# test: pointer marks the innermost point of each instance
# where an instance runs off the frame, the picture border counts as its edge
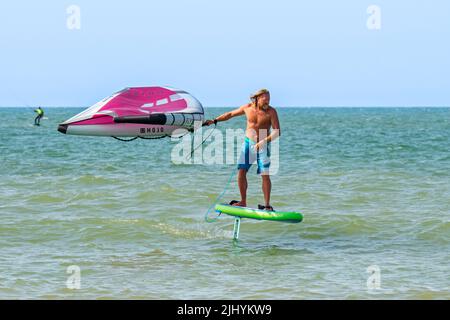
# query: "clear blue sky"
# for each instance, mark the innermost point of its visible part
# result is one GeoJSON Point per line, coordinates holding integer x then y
{"type": "Point", "coordinates": [308, 53]}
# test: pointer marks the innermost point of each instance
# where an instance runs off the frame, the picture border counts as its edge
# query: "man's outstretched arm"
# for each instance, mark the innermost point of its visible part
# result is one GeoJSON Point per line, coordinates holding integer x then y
{"type": "Point", "coordinates": [227, 116]}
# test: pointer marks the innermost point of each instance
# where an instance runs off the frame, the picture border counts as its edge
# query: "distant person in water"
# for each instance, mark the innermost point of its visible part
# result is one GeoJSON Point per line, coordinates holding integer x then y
{"type": "Point", "coordinates": [261, 118]}
{"type": "Point", "coordinates": [40, 115]}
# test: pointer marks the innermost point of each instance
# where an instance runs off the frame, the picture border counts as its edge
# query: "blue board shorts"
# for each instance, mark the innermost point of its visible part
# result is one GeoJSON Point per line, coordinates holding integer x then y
{"type": "Point", "coordinates": [249, 156]}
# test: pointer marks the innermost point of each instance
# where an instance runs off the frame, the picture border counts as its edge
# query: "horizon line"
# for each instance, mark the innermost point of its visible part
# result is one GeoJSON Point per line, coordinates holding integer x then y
{"type": "Point", "coordinates": [300, 106]}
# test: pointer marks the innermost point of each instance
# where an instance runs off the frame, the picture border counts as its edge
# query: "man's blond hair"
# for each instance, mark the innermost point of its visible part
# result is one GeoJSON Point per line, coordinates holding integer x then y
{"type": "Point", "coordinates": [258, 93]}
{"type": "Point", "coordinates": [254, 97]}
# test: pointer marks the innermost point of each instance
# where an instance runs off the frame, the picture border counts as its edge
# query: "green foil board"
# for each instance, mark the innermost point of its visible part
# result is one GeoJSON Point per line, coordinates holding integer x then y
{"type": "Point", "coordinates": [245, 212]}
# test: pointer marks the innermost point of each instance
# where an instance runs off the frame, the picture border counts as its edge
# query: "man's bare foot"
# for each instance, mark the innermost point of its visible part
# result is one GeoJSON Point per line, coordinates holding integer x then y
{"type": "Point", "coordinates": [267, 208]}
{"type": "Point", "coordinates": [238, 203]}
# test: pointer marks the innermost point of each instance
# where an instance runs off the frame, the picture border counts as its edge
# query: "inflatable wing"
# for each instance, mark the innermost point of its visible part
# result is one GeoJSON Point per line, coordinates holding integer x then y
{"type": "Point", "coordinates": [138, 112]}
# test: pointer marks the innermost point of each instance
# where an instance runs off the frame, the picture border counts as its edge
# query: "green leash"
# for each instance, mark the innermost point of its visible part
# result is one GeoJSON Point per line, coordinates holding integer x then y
{"type": "Point", "coordinates": [218, 198]}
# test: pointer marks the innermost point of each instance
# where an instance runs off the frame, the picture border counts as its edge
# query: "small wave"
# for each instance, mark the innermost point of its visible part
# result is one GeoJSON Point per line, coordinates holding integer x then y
{"type": "Point", "coordinates": [197, 231]}
{"type": "Point", "coordinates": [435, 230]}
{"type": "Point", "coordinates": [429, 295]}
{"type": "Point", "coordinates": [45, 198]}
{"type": "Point", "coordinates": [276, 250]}
{"type": "Point", "coordinates": [154, 253]}
{"type": "Point", "coordinates": [339, 226]}
{"type": "Point", "coordinates": [92, 180]}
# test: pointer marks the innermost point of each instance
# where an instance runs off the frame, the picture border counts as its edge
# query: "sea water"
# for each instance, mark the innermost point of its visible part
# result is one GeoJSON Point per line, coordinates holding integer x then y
{"type": "Point", "coordinates": [96, 218]}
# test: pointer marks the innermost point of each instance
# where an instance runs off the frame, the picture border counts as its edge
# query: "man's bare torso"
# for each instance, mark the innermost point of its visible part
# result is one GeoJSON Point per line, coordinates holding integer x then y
{"type": "Point", "coordinates": [258, 122]}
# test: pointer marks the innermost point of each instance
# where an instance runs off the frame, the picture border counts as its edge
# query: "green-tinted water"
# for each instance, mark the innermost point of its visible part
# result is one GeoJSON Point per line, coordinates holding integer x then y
{"type": "Point", "coordinates": [373, 185]}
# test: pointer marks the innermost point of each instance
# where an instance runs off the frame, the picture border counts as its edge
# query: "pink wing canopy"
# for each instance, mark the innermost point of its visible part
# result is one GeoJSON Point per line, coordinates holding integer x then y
{"type": "Point", "coordinates": [138, 101]}
{"type": "Point", "coordinates": [139, 111]}
{"type": "Point", "coordinates": [144, 100]}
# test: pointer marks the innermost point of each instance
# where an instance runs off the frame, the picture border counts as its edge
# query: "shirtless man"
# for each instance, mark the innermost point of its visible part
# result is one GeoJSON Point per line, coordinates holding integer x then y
{"type": "Point", "coordinates": [261, 117]}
